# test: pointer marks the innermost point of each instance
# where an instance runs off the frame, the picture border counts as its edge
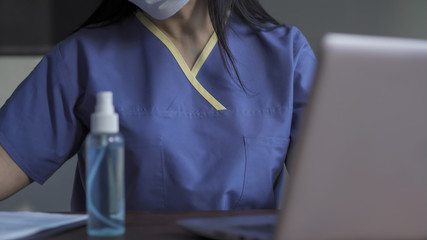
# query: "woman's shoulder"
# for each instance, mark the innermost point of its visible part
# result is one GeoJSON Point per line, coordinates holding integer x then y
{"type": "Point", "coordinates": [284, 33]}
{"type": "Point", "coordinates": [287, 38]}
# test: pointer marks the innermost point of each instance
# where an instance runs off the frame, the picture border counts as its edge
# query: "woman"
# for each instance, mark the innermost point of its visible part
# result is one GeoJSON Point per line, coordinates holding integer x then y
{"type": "Point", "coordinates": [209, 94]}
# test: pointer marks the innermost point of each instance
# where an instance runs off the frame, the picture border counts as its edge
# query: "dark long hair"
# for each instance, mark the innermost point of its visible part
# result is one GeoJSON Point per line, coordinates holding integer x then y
{"type": "Point", "coordinates": [250, 11]}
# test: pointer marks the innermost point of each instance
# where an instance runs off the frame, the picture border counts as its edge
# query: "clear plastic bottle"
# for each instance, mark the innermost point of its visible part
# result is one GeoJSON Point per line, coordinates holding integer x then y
{"type": "Point", "coordinates": [105, 198]}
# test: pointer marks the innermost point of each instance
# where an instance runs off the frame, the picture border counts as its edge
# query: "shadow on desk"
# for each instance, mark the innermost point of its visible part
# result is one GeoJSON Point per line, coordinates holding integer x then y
{"type": "Point", "coordinates": [157, 225]}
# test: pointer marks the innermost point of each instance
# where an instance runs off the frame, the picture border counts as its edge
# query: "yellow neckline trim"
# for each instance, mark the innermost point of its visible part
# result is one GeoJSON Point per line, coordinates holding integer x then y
{"type": "Point", "coordinates": [190, 74]}
{"type": "Point", "coordinates": [205, 54]}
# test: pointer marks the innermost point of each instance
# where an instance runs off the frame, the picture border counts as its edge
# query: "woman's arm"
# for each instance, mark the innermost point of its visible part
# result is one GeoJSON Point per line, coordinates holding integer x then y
{"type": "Point", "coordinates": [12, 178]}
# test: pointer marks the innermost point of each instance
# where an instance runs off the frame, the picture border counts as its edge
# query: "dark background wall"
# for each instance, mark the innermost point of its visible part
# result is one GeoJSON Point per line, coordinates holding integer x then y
{"type": "Point", "coordinates": [399, 18]}
{"type": "Point", "coordinates": [24, 25]}
{"type": "Point", "coordinates": [33, 26]}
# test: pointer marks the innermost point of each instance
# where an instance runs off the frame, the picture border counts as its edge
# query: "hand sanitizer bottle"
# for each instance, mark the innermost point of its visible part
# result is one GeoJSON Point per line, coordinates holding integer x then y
{"type": "Point", "coordinates": [105, 199]}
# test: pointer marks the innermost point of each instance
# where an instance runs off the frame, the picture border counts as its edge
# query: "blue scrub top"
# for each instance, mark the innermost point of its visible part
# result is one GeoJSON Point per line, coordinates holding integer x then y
{"type": "Point", "coordinates": [194, 139]}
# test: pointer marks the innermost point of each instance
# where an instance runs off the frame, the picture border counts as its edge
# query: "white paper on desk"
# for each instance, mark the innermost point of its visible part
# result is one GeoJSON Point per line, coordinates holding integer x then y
{"type": "Point", "coordinates": [19, 225]}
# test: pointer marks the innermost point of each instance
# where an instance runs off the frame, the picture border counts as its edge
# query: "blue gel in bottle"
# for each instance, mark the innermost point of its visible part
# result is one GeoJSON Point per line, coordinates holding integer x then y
{"type": "Point", "coordinates": [105, 199]}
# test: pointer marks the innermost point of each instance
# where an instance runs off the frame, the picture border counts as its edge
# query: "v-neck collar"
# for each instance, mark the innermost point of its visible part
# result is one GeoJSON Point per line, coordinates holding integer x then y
{"type": "Point", "coordinates": [189, 73]}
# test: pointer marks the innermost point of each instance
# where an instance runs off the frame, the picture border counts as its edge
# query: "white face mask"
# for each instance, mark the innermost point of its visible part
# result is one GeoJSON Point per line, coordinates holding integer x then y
{"type": "Point", "coordinates": [160, 9]}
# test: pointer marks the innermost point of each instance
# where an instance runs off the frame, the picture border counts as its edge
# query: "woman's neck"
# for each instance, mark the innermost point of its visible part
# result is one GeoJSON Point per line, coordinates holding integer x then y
{"type": "Point", "coordinates": [189, 29]}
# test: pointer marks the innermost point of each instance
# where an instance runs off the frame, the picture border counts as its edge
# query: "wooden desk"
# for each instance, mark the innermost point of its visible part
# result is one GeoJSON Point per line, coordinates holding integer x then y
{"type": "Point", "coordinates": [157, 225]}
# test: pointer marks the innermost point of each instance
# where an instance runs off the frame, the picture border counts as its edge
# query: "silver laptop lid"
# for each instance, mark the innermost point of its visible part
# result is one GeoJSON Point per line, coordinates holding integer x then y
{"type": "Point", "coordinates": [360, 163]}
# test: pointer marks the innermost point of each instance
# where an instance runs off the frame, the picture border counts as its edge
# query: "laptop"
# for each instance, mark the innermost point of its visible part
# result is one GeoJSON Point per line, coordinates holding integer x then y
{"type": "Point", "coordinates": [359, 167]}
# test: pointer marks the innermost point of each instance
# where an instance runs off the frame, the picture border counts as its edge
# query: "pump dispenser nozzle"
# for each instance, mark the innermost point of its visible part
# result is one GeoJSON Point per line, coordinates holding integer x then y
{"type": "Point", "coordinates": [104, 119]}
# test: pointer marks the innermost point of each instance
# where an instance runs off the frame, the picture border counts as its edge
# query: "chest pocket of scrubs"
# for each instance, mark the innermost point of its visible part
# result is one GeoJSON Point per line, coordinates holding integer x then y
{"type": "Point", "coordinates": [264, 161]}
{"type": "Point", "coordinates": [144, 175]}
{"type": "Point", "coordinates": [240, 174]}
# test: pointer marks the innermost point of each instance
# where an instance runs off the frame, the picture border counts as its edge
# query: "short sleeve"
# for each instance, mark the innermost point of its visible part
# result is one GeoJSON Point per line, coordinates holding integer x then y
{"type": "Point", "coordinates": [38, 125]}
{"type": "Point", "coordinates": [305, 65]}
